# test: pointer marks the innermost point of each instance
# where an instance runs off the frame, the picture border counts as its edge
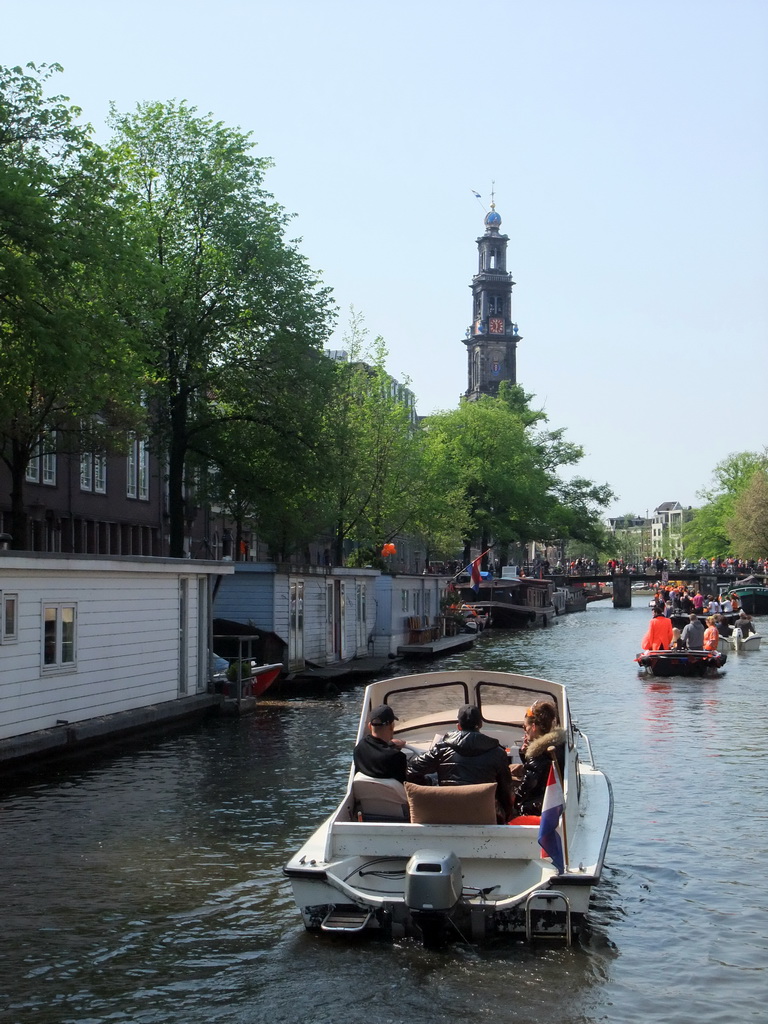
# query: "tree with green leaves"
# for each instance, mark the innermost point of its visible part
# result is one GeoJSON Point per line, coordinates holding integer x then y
{"type": "Point", "coordinates": [507, 468]}
{"type": "Point", "coordinates": [235, 316]}
{"type": "Point", "coordinates": [69, 273]}
{"type": "Point", "coordinates": [748, 526]}
{"type": "Point", "coordinates": [709, 532]}
{"type": "Point", "coordinates": [372, 447]}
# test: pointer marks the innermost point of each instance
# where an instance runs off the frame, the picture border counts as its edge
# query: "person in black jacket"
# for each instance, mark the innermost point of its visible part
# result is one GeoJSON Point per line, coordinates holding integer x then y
{"type": "Point", "coordinates": [541, 733]}
{"type": "Point", "coordinates": [466, 757]}
{"type": "Point", "coordinates": [379, 754]}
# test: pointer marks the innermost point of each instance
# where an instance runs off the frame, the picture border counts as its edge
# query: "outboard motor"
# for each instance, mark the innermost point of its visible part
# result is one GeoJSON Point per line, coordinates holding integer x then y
{"type": "Point", "coordinates": [433, 885]}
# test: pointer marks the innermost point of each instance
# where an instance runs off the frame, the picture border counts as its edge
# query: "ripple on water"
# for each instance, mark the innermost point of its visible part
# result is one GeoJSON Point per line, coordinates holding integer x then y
{"type": "Point", "coordinates": [148, 887]}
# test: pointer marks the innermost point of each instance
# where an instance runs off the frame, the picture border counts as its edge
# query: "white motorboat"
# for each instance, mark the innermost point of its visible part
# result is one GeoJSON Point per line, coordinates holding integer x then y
{"type": "Point", "coordinates": [454, 872]}
{"type": "Point", "coordinates": [739, 642]}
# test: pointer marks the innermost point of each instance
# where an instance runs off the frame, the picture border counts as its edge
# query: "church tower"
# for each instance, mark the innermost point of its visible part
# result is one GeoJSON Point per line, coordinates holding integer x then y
{"type": "Point", "coordinates": [492, 338]}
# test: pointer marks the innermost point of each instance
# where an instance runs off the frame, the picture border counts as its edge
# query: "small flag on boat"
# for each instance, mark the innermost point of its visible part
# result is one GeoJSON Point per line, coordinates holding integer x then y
{"type": "Point", "coordinates": [475, 574]}
{"type": "Point", "coordinates": [551, 809]}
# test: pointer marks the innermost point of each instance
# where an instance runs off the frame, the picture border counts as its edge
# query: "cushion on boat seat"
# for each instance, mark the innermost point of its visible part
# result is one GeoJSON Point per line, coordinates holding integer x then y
{"type": "Point", "coordinates": [452, 805]}
{"type": "Point", "coordinates": [379, 799]}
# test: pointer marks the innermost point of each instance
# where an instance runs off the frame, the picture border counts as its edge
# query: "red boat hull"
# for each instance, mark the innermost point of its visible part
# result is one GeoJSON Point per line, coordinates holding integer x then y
{"type": "Point", "coordinates": [263, 677]}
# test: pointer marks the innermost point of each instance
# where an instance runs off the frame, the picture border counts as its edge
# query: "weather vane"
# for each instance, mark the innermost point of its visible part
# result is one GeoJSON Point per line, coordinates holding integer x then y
{"type": "Point", "coordinates": [477, 196]}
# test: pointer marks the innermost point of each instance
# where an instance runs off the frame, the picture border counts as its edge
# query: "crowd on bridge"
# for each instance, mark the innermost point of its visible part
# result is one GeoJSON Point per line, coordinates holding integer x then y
{"type": "Point", "coordinates": [584, 566]}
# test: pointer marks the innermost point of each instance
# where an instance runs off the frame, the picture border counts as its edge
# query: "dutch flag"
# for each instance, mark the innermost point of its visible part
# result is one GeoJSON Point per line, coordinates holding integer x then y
{"type": "Point", "coordinates": [475, 574]}
{"type": "Point", "coordinates": [551, 809]}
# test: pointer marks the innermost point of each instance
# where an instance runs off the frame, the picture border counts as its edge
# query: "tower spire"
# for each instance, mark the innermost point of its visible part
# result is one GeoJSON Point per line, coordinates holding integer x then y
{"type": "Point", "coordinates": [492, 337]}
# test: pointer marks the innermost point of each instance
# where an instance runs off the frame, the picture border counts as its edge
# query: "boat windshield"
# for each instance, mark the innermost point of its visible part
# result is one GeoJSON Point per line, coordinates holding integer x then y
{"type": "Point", "coordinates": [419, 701]}
{"type": "Point", "coordinates": [490, 695]}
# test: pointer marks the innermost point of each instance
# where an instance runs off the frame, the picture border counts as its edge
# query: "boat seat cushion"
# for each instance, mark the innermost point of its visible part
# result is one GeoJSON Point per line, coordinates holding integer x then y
{"type": "Point", "coordinates": [452, 805]}
{"type": "Point", "coordinates": [379, 799]}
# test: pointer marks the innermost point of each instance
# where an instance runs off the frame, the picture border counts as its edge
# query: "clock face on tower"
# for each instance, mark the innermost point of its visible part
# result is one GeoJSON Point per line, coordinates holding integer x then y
{"type": "Point", "coordinates": [496, 325]}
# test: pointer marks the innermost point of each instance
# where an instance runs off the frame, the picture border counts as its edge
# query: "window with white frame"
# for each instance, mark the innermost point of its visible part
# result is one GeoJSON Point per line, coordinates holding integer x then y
{"type": "Point", "coordinates": [93, 472]}
{"type": "Point", "coordinates": [49, 467]}
{"type": "Point", "coordinates": [9, 607]}
{"type": "Point", "coordinates": [33, 466]}
{"type": "Point", "coordinates": [137, 468]}
{"type": "Point", "coordinates": [404, 600]}
{"type": "Point", "coordinates": [41, 467]}
{"type": "Point", "coordinates": [59, 634]}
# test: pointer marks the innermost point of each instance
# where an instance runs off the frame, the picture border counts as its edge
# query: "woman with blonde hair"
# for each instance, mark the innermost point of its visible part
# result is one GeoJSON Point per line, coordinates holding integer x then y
{"type": "Point", "coordinates": [711, 635]}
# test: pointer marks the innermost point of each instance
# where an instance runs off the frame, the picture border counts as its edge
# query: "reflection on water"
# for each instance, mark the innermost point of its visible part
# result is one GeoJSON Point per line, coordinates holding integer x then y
{"type": "Point", "coordinates": [148, 887]}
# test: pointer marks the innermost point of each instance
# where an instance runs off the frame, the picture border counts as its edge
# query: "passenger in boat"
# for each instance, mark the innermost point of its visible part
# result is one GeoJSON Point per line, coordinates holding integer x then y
{"type": "Point", "coordinates": [698, 601]}
{"type": "Point", "coordinates": [677, 640]}
{"type": "Point", "coordinates": [723, 627]}
{"type": "Point", "coordinates": [659, 635]}
{"type": "Point", "coordinates": [541, 733]}
{"type": "Point", "coordinates": [711, 635]}
{"type": "Point", "coordinates": [693, 633]}
{"type": "Point", "coordinates": [467, 757]}
{"type": "Point", "coordinates": [745, 624]}
{"type": "Point", "coordinates": [379, 754]}
{"type": "Point", "coordinates": [727, 605]}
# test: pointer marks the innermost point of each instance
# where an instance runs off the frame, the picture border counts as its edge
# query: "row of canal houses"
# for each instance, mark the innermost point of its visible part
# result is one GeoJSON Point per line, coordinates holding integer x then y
{"type": "Point", "coordinates": [94, 646]}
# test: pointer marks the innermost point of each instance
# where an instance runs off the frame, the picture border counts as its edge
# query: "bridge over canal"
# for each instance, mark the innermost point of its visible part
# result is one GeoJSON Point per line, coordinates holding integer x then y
{"type": "Point", "coordinates": [706, 582]}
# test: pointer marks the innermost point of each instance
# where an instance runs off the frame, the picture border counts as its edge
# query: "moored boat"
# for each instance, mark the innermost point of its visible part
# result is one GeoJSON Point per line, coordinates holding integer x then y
{"type": "Point", "coordinates": [262, 677]}
{"type": "Point", "coordinates": [681, 663]}
{"type": "Point", "coordinates": [432, 861]}
{"type": "Point", "coordinates": [752, 594]}
{"type": "Point", "coordinates": [517, 602]}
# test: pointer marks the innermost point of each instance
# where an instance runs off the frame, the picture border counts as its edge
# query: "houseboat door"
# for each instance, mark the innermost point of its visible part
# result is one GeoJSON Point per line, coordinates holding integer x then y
{"type": "Point", "coordinates": [183, 653]}
{"type": "Point", "coordinates": [361, 636]}
{"type": "Point", "coordinates": [335, 620]}
{"type": "Point", "coordinates": [296, 623]}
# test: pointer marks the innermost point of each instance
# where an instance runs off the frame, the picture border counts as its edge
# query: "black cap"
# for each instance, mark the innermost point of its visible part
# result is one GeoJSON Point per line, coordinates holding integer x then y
{"type": "Point", "coordinates": [383, 715]}
{"type": "Point", "coordinates": [469, 717]}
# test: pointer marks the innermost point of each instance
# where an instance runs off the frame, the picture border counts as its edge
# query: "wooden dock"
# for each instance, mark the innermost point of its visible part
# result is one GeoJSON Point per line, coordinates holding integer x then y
{"type": "Point", "coordinates": [434, 648]}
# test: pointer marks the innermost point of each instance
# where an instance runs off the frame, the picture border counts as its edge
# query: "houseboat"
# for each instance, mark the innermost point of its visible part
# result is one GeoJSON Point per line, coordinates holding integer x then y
{"type": "Point", "coordinates": [91, 647]}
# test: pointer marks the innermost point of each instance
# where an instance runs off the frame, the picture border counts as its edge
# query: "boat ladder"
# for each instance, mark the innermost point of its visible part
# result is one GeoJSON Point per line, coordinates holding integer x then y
{"type": "Point", "coordinates": [346, 919]}
{"type": "Point", "coordinates": [548, 896]}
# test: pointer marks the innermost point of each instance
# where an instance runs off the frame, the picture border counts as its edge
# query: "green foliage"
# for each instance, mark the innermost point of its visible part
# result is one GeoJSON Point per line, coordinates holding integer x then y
{"type": "Point", "coordinates": [69, 274]}
{"type": "Point", "coordinates": [748, 525]}
{"type": "Point", "coordinates": [495, 454]}
{"type": "Point", "coordinates": [709, 534]}
{"type": "Point", "coordinates": [235, 313]}
{"type": "Point", "coordinates": [376, 472]}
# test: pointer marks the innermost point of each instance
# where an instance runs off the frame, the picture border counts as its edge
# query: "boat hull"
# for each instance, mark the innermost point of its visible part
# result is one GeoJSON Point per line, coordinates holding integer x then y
{"type": "Point", "coordinates": [263, 676]}
{"type": "Point", "coordinates": [681, 663]}
{"type": "Point", "coordinates": [753, 602]}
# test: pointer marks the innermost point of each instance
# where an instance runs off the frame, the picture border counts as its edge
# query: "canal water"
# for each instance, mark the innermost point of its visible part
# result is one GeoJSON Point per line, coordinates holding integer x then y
{"type": "Point", "coordinates": [146, 886]}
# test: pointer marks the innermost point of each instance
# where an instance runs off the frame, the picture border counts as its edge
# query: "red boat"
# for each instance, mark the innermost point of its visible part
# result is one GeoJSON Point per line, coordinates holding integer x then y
{"type": "Point", "coordinates": [262, 677]}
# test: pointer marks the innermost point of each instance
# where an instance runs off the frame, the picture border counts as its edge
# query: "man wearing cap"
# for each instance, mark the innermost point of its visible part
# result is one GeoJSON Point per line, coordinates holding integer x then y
{"type": "Point", "coordinates": [379, 754]}
{"type": "Point", "coordinates": [467, 757]}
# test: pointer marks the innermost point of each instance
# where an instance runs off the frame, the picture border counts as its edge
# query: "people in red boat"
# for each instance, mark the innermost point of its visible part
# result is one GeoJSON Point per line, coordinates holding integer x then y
{"type": "Point", "coordinates": [659, 635]}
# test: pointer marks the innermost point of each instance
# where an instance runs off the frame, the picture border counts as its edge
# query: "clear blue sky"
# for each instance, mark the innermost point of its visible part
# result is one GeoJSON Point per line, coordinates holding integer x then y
{"type": "Point", "coordinates": [628, 142]}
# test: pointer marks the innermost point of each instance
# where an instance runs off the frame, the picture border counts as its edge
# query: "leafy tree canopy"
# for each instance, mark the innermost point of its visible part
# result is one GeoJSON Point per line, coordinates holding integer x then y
{"type": "Point", "coordinates": [709, 534]}
{"type": "Point", "coordinates": [68, 278]}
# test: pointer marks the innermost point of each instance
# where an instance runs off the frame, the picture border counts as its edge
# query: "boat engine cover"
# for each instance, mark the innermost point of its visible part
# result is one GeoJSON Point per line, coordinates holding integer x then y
{"type": "Point", "coordinates": [433, 880]}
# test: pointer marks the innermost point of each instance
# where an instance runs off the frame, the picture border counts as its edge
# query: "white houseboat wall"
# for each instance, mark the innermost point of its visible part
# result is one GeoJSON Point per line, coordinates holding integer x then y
{"type": "Point", "coordinates": [408, 610]}
{"type": "Point", "coordinates": [325, 615]}
{"type": "Point", "coordinates": [85, 637]}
